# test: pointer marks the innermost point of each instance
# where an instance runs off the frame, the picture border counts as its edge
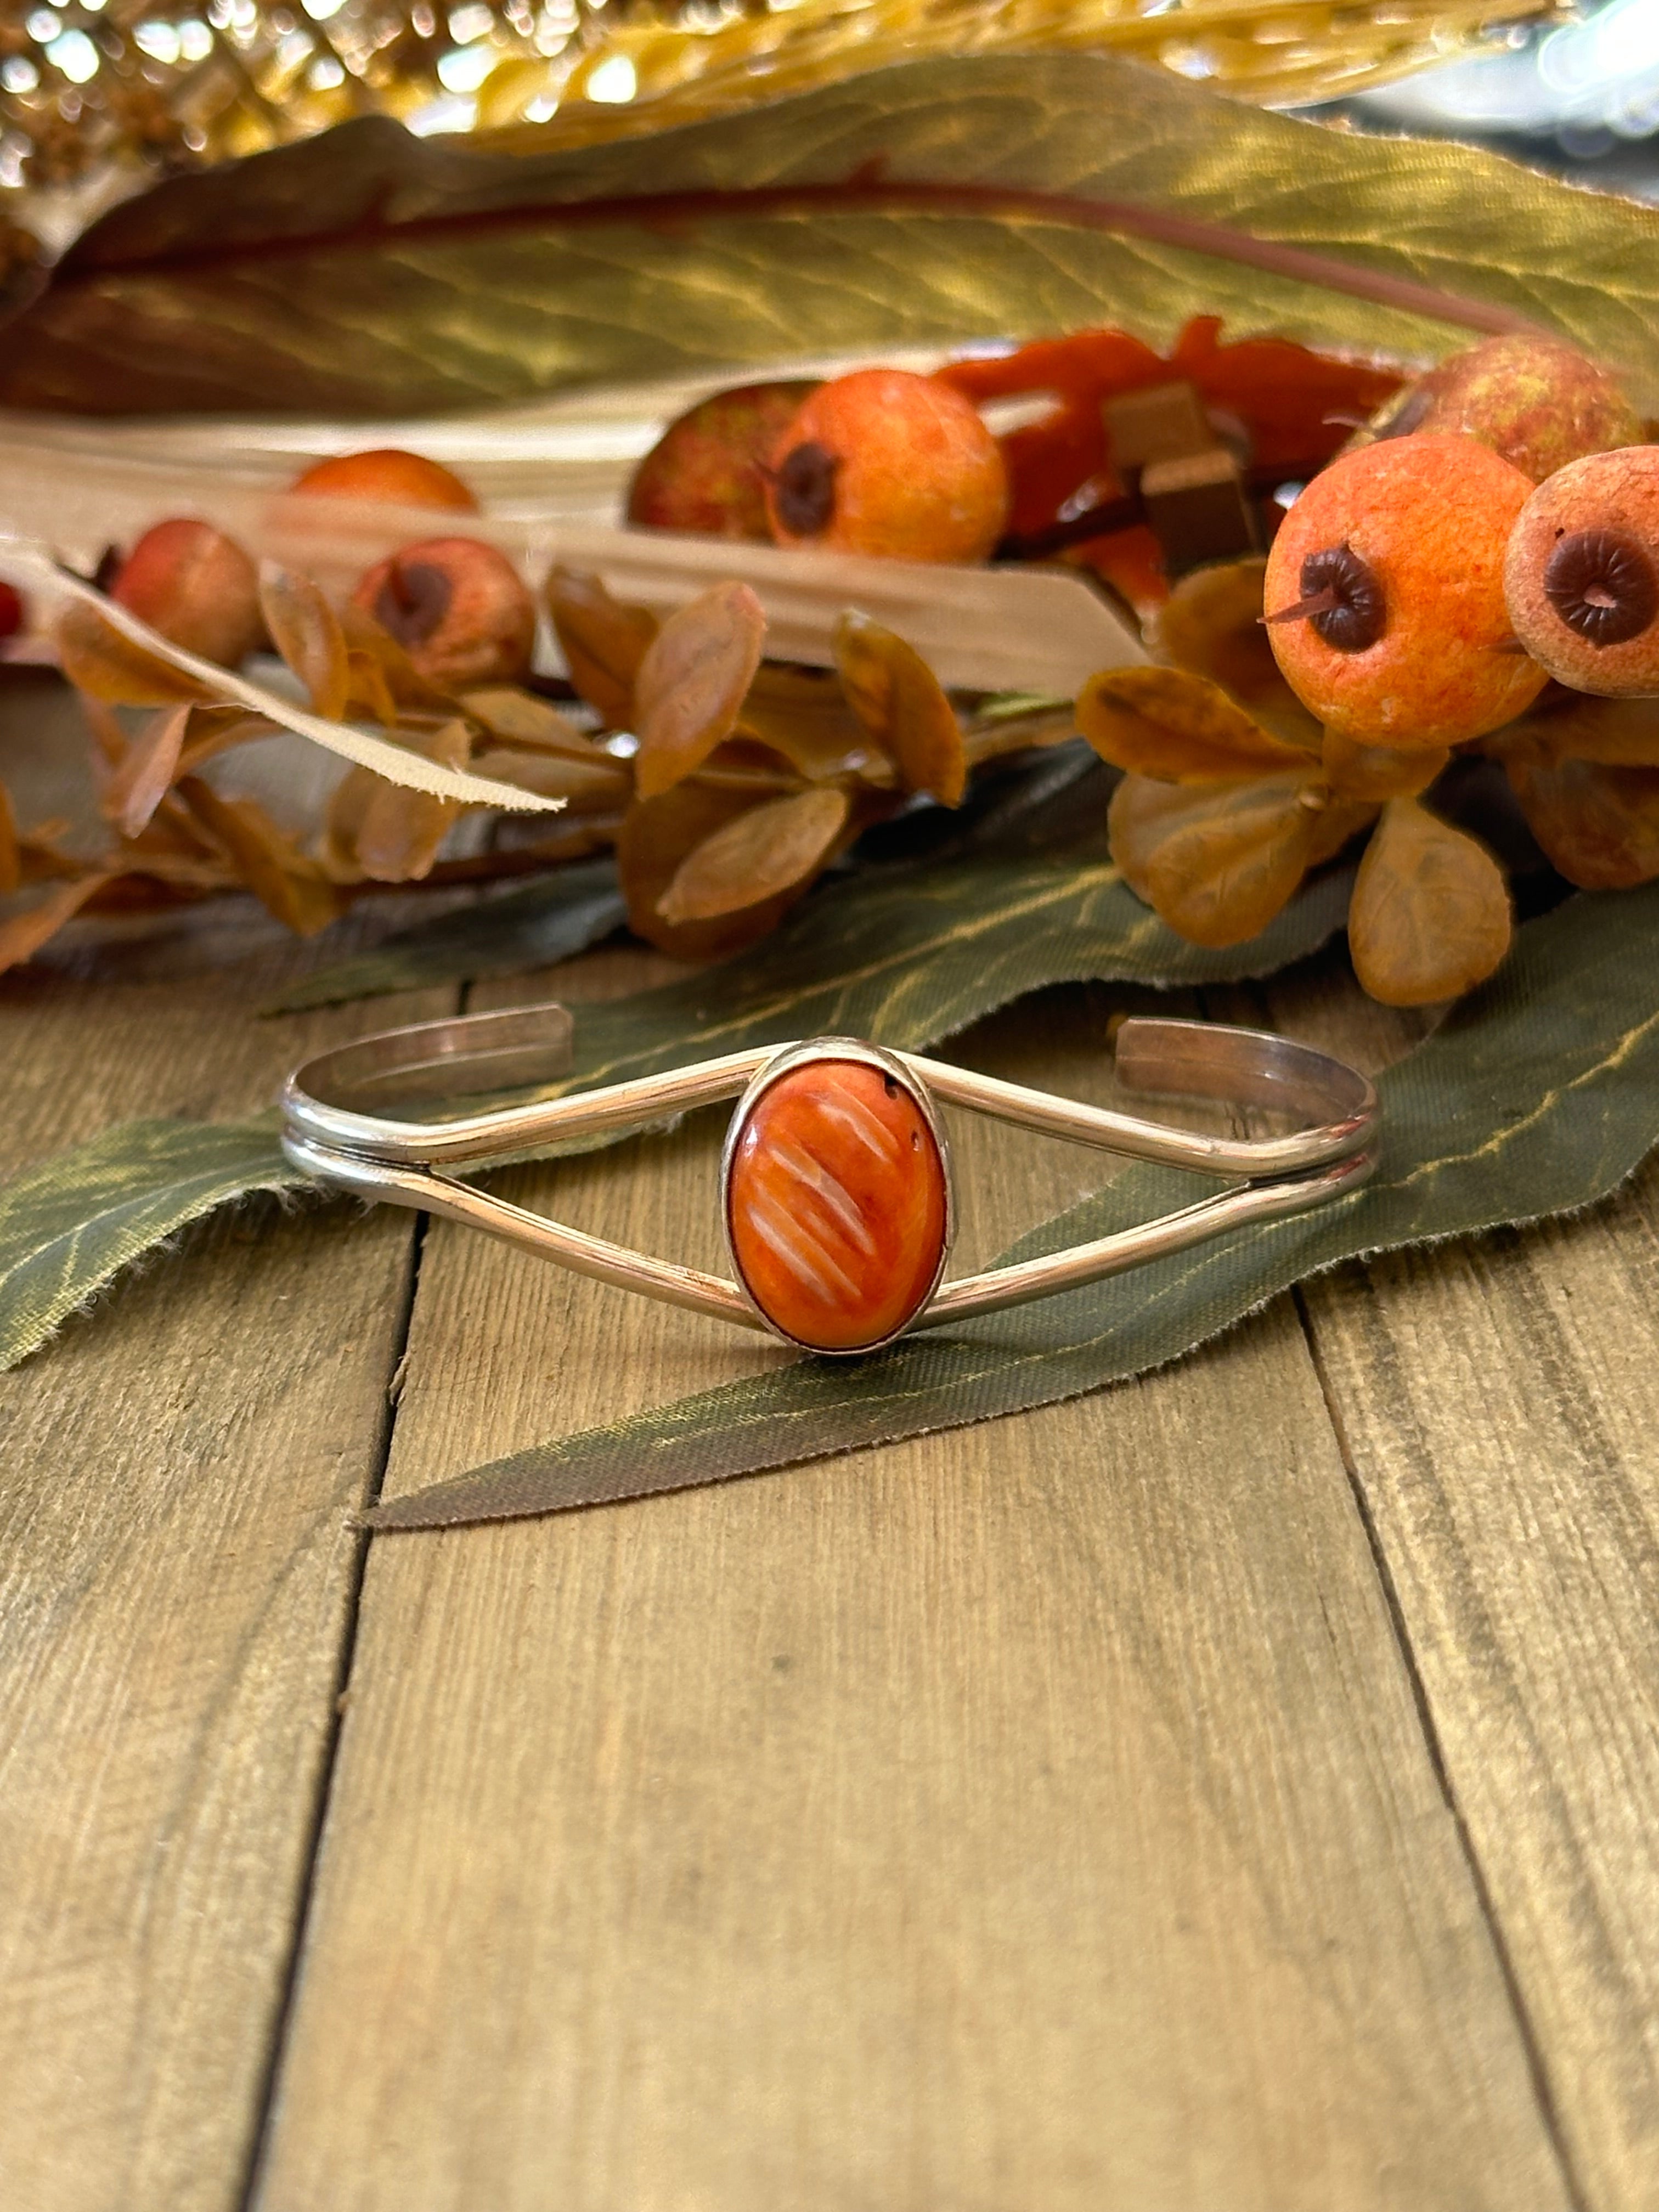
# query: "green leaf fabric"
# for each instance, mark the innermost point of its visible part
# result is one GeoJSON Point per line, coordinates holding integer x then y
{"type": "Point", "coordinates": [369, 272]}
{"type": "Point", "coordinates": [69, 1225]}
{"type": "Point", "coordinates": [533, 927]}
{"type": "Point", "coordinates": [1538, 1096]}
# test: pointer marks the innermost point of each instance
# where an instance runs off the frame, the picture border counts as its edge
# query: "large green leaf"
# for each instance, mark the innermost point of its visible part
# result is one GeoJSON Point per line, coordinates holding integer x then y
{"type": "Point", "coordinates": [1538, 1096]}
{"type": "Point", "coordinates": [905, 952]}
{"type": "Point", "coordinates": [366, 271]}
{"type": "Point", "coordinates": [71, 1222]}
{"type": "Point", "coordinates": [532, 926]}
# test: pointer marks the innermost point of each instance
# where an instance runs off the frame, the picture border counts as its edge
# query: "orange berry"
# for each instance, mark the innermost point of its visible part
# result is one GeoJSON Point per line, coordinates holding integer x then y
{"type": "Point", "coordinates": [888, 463]}
{"type": "Point", "coordinates": [196, 587]}
{"type": "Point", "coordinates": [396, 478]}
{"type": "Point", "coordinates": [1538, 402]}
{"type": "Point", "coordinates": [460, 609]}
{"type": "Point", "coordinates": [1581, 574]}
{"type": "Point", "coordinates": [1384, 594]}
{"type": "Point", "coordinates": [707, 470]}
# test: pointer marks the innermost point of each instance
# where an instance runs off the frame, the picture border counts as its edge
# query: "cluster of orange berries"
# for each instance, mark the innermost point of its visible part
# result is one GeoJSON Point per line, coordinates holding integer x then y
{"type": "Point", "coordinates": [1423, 589]}
{"type": "Point", "coordinates": [459, 608]}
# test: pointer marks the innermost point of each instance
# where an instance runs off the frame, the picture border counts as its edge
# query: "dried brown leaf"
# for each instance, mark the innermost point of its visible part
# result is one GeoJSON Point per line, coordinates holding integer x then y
{"type": "Point", "coordinates": [771, 848]}
{"type": "Point", "coordinates": [603, 641]}
{"type": "Point", "coordinates": [519, 717]}
{"type": "Point", "coordinates": [804, 714]}
{"type": "Point", "coordinates": [1598, 826]}
{"type": "Point", "coordinates": [1375, 773]}
{"type": "Point", "coordinates": [142, 781]}
{"type": "Point", "coordinates": [657, 836]}
{"type": "Point", "coordinates": [100, 660]}
{"type": "Point", "coordinates": [692, 682]}
{"type": "Point", "coordinates": [1336, 822]}
{"type": "Point", "coordinates": [992, 736]}
{"type": "Point", "coordinates": [1218, 860]}
{"type": "Point", "coordinates": [1430, 916]}
{"type": "Point", "coordinates": [283, 877]}
{"type": "Point", "coordinates": [305, 631]}
{"type": "Point", "coordinates": [594, 786]}
{"type": "Point", "coordinates": [900, 701]}
{"type": "Point", "coordinates": [1211, 625]}
{"type": "Point", "coordinates": [1573, 726]}
{"type": "Point", "coordinates": [21, 935]}
{"type": "Point", "coordinates": [401, 832]}
{"type": "Point", "coordinates": [1179, 727]}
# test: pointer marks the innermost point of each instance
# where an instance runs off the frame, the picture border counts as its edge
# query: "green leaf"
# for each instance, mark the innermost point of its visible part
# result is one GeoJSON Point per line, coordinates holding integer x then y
{"type": "Point", "coordinates": [1537, 1095]}
{"type": "Point", "coordinates": [532, 926]}
{"type": "Point", "coordinates": [369, 272]}
{"type": "Point", "coordinates": [905, 952]}
{"type": "Point", "coordinates": [68, 1225]}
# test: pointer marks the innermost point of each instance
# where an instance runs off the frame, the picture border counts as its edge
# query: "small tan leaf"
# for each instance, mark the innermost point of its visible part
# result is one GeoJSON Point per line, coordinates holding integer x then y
{"type": "Point", "coordinates": [988, 737]}
{"type": "Point", "coordinates": [900, 701]}
{"type": "Point", "coordinates": [1430, 914]}
{"type": "Point", "coordinates": [142, 779]}
{"type": "Point", "coordinates": [1335, 823]}
{"type": "Point", "coordinates": [1178, 727]}
{"type": "Point", "coordinates": [603, 641]}
{"type": "Point", "coordinates": [283, 878]}
{"type": "Point", "coordinates": [804, 714]}
{"type": "Point", "coordinates": [1598, 825]}
{"type": "Point", "coordinates": [519, 717]}
{"type": "Point", "coordinates": [401, 831]}
{"type": "Point", "coordinates": [1211, 625]}
{"type": "Point", "coordinates": [593, 786]}
{"type": "Point", "coordinates": [22, 934]}
{"type": "Point", "coordinates": [305, 631]}
{"type": "Point", "coordinates": [691, 681]}
{"type": "Point", "coordinates": [101, 660]}
{"type": "Point", "coordinates": [657, 835]}
{"type": "Point", "coordinates": [1573, 726]}
{"type": "Point", "coordinates": [771, 848]}
{"type": "Point", "coordinates": [1374, 772]}
{"type": "Point", "coordinates": [1216, 861]}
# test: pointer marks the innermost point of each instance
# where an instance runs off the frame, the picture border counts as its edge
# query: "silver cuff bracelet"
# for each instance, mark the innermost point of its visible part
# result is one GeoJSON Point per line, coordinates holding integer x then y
{"type": "Point", "coordinates": [834, 1183]}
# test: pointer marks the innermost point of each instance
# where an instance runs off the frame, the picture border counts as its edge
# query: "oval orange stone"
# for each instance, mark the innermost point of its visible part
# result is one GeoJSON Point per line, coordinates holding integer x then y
{"type": "Point", "coordinates": [836, 1204]}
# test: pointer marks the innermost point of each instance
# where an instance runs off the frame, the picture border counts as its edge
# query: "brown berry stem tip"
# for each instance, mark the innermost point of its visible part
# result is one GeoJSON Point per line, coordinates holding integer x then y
{"type": "Point", "coordinates": [804, 489]}
{"type": "Point", "coordinates": [412, 601]}
{"type": "Point", "coordinates": [1603, 586]}
{"type": "Point", "coordinates": [1342, 598]}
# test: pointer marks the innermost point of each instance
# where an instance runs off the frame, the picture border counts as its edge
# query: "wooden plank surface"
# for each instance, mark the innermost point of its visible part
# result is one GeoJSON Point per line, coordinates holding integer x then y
{"type": "Point", "coordinates": [1234, 1789]}
{"type": "Point", "coordinates": [1032, 1815]}
{"type": "Point", "coordinates": [1498, 1403]}
{"type": "Point", "coordinates": [177, 1581]}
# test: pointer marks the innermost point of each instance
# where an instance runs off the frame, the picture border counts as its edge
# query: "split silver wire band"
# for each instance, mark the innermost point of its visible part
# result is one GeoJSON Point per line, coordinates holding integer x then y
{"type": "Point", "coordinates": [335, 1129]}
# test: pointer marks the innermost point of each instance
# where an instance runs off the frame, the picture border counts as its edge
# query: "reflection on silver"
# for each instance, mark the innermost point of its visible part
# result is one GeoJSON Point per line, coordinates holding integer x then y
{"type": "Point", "coordinates": [337, 1128]}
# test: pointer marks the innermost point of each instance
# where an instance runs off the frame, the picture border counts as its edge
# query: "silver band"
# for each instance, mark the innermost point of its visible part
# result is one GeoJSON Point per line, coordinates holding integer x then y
{"type": "Point", "coordinates": [336, 1128]}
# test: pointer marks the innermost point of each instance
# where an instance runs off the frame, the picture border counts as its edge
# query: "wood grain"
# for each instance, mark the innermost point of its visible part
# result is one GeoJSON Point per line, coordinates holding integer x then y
{"type": "Point", "coordinates": [1498, 1403]}
{"type": "Point", "coordinates": [1032, 1815]}
{"type": "Point", "coordinates": [176, 1585]}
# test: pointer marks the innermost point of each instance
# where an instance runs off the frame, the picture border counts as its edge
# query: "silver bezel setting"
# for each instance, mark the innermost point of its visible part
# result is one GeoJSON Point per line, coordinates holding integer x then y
{"type": "Point", "coordinates": [813, 1051]}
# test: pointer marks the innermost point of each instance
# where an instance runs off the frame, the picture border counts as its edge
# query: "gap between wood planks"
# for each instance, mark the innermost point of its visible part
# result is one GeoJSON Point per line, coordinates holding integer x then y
{"type": "Point", "coordinates": [265, 2098]}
